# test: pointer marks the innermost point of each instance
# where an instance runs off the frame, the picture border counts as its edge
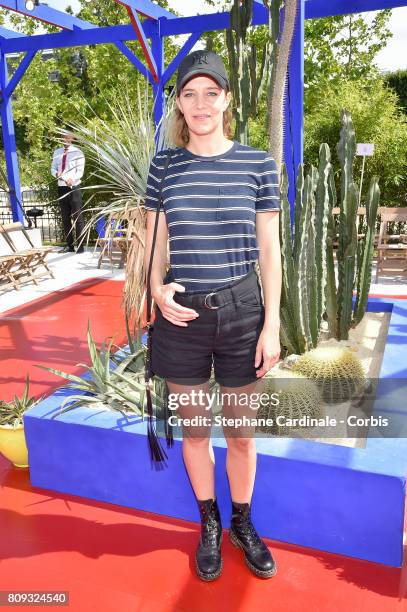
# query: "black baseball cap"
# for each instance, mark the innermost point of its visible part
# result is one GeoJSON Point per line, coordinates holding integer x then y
{"type": "Point", "coordinates": [202, 62]}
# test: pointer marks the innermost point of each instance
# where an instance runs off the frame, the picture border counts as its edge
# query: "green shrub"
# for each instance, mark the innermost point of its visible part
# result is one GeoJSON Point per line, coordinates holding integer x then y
{"type": "Point", "coordinates": [397, 81]}
{"type": "Point", "coordinates": [377, 119]}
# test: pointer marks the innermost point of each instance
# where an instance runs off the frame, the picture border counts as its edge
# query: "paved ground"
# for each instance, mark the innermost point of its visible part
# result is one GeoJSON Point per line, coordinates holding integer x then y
{"type": "Point", "coordinates": [68, 268]}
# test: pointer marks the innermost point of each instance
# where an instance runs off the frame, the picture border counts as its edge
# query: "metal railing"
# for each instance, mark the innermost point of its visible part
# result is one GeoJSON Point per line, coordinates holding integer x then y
{"type": "Point", "coordinates": [49, 219]}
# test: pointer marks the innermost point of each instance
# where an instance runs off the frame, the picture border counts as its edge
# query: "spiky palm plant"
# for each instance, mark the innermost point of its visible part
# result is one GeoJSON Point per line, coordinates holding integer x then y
{"type": "Point", "coordinates": [120, 152]}
{"type": "Point", "coordinates": [12, 413]}
{"type": "Point", "coordinates": [121, 388]}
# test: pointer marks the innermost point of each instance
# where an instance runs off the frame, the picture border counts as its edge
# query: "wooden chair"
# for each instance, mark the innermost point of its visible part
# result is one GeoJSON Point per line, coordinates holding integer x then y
{"type": "Point", "coordinates": [360, 217]}
{"type": "Point", "coordinates": [116, 242]}
{"type": "Point", "coordinates": [387, 250]}
{"type": "Point", "coordinates": [13, 267]}
{"type": "Point", "coordinates": [33, 258]}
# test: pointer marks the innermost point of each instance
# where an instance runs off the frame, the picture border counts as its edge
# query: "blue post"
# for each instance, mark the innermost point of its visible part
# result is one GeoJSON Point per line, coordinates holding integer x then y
{"type": "Point", "coordinates": [294, 107]}
{"type": "Point", "coordinates": [9, 142]}
{"type": "Point", "coordinates": [157, 47]}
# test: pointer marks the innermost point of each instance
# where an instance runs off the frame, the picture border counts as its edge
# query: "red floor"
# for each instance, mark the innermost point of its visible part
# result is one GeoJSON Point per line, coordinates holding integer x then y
{"type": "Point", "coordinates": [113, 558]}
{"type": "Point", "coordinates": [51, 331]}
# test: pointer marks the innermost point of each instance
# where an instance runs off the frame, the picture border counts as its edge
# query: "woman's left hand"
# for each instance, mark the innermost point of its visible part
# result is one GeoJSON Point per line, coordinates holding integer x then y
{"type": "Point", "coordinates": [268, 347]}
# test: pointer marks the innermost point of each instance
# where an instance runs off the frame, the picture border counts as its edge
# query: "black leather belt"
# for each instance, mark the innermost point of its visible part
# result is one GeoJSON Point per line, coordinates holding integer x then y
{"type": "Point", "coordinates": [218, 298]}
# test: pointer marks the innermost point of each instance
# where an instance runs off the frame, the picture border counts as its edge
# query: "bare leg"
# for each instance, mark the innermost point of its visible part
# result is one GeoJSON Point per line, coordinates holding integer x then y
{"type": "Point", "coordinates": [197, 449]}
{"type": "Point", "coordinates": [241, 470]}
{"type": "Point", "coordinates": [241, 454]}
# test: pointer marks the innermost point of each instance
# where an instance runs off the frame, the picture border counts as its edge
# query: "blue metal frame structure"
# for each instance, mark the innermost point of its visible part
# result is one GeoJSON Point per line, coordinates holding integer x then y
{"type": "Point", "coordinates": [158, 24]}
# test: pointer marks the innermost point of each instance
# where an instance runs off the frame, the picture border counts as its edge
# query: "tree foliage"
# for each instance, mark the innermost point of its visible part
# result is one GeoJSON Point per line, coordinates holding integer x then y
{"type": "Point", "coordinates": [397, 81]}
{"type": "Point", "coordinates": [340, 72]}
{"type": "Point", "coordinates": [342, 47]}
{"type": "Point", "coordinates": [377, 119]}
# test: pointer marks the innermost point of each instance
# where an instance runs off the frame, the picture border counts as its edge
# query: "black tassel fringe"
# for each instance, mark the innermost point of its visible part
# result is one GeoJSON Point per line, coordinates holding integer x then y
{"type": "Point", "coordinates": [169, 436]}
{"type": "Point", "coordinates": [157, 453]}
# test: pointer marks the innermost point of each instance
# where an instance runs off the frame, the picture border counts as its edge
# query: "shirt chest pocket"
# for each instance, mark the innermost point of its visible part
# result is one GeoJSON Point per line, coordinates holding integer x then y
{"type": "Point", "coordinates": [235, 202]}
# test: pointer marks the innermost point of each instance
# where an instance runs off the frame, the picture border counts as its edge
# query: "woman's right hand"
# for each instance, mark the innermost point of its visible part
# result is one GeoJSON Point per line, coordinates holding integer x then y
{"type": "Point", "coordinates": [173, 312]}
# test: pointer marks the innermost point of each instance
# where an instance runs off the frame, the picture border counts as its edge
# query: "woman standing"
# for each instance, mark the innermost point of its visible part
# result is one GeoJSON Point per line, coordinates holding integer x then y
{"type": "Point", "coordinates": [220, 200]}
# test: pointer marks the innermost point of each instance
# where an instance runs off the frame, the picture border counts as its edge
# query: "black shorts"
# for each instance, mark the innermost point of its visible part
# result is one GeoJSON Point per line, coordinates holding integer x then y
{"type": "Point", "coordinates": [225, 336]}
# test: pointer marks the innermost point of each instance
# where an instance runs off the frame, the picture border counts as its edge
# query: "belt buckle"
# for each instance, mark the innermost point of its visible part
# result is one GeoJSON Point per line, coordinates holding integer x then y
{"type": "Point", "coordinates": [207, 305]}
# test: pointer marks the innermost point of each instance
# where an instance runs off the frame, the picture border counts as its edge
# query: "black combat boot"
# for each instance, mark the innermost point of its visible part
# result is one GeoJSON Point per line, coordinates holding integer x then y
{"type": "Point", "coordinates": [208, 557]}
{"type": "Point", "coordinates": [243, 534]}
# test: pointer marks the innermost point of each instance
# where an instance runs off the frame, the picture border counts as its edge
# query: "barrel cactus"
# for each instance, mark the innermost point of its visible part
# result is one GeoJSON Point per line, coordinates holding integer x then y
{"type": "Point", "coordinates": [298, 396]}
{"type": "Point", "coordinates": [337, 371]}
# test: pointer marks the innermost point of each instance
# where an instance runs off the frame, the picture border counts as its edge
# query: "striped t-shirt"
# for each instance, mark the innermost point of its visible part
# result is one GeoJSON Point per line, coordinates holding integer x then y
{"type": "Point", "coordinates": [210, 205]}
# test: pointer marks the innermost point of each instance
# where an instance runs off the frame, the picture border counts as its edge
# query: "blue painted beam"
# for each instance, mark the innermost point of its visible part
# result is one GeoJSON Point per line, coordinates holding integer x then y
{"type": "Point", "coordinates": [9, 143]}
{"type": "Point", "coordinates": [321, 8]}
{"type": "Point", "coordinates": [141, 37]}
{"type": "Point", "coordinates": [172, 67]}
{"type": "Point", "coordinates": [4, 33]}
{"type": "Point", "coordinates": [47, 14]}
{"type": "Point", "coordinates": [134, 60]}
{"type": "Point", "coordinates": [112, 34]}
{"type": "Point", "coordinates": [18, 74]}
{"type": "Point", "coordinates": [294, 108]}
{"type": "Point", "coordinates": [76, 38]}
{"type": "Point", "coordinates": [157, 45]}
{"type": "Point", "coordinates": [147, 8]}
{"type": "Point", "coordinates": [198, 23]}
{"type": "Point", "coordinates": [329, 8]}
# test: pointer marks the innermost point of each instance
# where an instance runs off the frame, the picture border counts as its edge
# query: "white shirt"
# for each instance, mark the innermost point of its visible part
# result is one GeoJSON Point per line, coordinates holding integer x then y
{"type": "Point", "coordinates": [74, 166]}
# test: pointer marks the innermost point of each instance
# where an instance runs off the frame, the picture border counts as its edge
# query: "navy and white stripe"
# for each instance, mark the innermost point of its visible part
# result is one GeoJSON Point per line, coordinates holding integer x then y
{"type": "Point", "coordinates": [210, 204]}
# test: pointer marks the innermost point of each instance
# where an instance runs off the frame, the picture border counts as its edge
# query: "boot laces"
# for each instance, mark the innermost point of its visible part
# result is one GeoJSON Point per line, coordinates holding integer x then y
{"type": "Point", "coordinates": [210, 532]}
{"type": "Point", "coordinates": [247, 529]}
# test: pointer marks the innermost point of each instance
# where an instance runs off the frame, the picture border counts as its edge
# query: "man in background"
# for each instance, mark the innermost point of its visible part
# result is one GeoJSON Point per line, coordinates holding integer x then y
{"type": "Point", "coordinates": [68, 165]}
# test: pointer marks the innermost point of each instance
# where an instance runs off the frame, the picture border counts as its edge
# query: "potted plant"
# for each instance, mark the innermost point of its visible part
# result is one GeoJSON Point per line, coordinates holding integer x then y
{"type": "Point", "coordinates": [12, 438]}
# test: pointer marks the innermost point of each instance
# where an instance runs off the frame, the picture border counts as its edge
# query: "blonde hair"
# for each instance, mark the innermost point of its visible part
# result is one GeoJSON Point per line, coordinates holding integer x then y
{"type": "Point", "coordinates": [179, 131]}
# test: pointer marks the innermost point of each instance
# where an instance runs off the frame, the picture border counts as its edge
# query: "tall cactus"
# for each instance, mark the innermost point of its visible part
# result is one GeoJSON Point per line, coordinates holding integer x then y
{"type": "Point", "coordinates": [322, 213]}
{"type": "Point", "coordinates": [303, 263]}
{"type": "Point", "coordinates": [346, 260]}
{"type": "Point", "coordinates": [346, 149]}
{"type": "Point", "coordinates": [354, 258]}
{"type": "Point", "coordinates": [349, 203]}
{"type": "Point", "coordinates": [330, 289]}
{"type": "Point", "coordinates": [247, 86]}
{"type": "Point", "coordinates": [365, 266]}
{"type": "Point", "coordinates": [289, 312]}
{"type": "Point", "coordinates": [310, 290]}
{"type": "Point", "coordinates": [299, 195]}
{"type": "Point", "coordinates": [304, 275]}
